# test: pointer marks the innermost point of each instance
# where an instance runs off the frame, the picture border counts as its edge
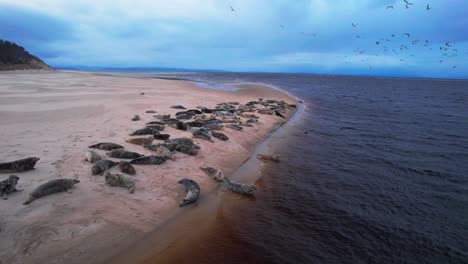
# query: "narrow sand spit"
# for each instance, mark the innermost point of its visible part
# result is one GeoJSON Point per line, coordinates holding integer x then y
{"type": "Point", "coordinates": [56, 115]}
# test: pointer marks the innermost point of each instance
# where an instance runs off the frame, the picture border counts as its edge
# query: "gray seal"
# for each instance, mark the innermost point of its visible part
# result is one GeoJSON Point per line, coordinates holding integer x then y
{"type": "Point", "coordinates": [101, 166]}
{"type": "Point", "coordinates": [193, 191]}
{"type": "Point", "coordinates": [21, 165]}
{"type": "Point", "coordinates": [92, 156]}
{"type": "Point", "coordinates": [219, 135]}
{"type": "Point", "coordinates": [143, 131]}
{"type": "Point", "coordinates": [161, 136]}
{"type": "Point", "coordinates": [235, 127]}
{"type": "Point", "coordinates": [126, 167]}
{"type": "Point", "coordinates": [50, 187]}
{"type": "Point", "coordinates": [156, 127]}
{"type": "Point", "coordinates": [239, 188]}
{"type": "Point", "coordinates": [106, 146]}
{"type": "Point", "coordinates": [136, 118]}
{"type": "Point", "coordinates": [123, 154]}
{"type": "Point", "coordinates": [8, 186]}
{"type": "Point", "coordinates": [210, 171]}
{"type": "Point", "coordinates": [202, 134]}
{"type": "Point", "coordinates": [178, 107]}
{"type": "Point", "coordinates": [140, 141]}
{"type": "Point", "coordinates": [149, 160]}
{"type": "Point", "coordinates": [120, 179]}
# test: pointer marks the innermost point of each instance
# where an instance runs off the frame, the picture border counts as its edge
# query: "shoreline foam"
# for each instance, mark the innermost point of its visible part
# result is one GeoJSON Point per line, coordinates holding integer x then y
{"type": "Point", "coordinates": [56, 228]}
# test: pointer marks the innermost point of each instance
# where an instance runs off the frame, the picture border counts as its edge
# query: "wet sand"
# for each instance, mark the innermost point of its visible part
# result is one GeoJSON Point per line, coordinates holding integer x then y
{"type": "Point", "coordinates": [56, 115]}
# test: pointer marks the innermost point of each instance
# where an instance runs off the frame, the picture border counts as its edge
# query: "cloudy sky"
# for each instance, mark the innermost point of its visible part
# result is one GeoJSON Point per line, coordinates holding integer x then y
{"type": "Point", "coordinates": [313, 36]}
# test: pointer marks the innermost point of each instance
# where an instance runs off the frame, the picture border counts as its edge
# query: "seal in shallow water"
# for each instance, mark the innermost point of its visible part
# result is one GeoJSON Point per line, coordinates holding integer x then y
{"type": "Point", "coordinates": [106, 146]}
{"type": "Point", "coordinates": [21, 165]}
{"type": "Point", "coordinates": [193, 191]}
{"type": "Point", "coordinates": [8, 186]}
{"type": "Point", "coordinates": [92, 156]}
{"type": "Point", "coordinates": [126, 167]}
{"type": "Point", "coordinates": [120, 179]}
{"type": "Point", "coordinates": [123, 154]}
{"type": "Point", "coordinates": [101, 166]}
{"type": "Point", "coordinates": [50, 187]}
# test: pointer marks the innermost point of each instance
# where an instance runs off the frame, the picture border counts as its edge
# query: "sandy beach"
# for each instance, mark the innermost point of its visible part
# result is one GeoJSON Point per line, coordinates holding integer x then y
{"type": "Point", "coordinates": [56, 115]}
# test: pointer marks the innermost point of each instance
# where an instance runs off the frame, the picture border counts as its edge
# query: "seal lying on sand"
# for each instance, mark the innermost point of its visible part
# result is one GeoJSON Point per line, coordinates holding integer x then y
{"type": "Point", "coordinates": [136, 118]}
{"type": "Point", "coordinates": [149, 160]}
{"type": "Point", "coordinates": [156, 123]}
{"type": "Point", "coordinates": [92, 156]}
{"type": "Point", "coordinates": [52, 186]}
{"type": "Point", "coordinates": [123, 154]}
{"type": "Point", "coordinates": [193, 191]}
{"type": "Point", "coordinates": [219, 135]}
{"type": "Point", "coordinates": [126, 167]}
{"type": "Point", "coordinates": [179, 125]}
{"type": "Point", "coordinates": [202, 134]}
{"type": "Point", "coordinates": [140, 141]}
{"type": "Point", "coordinates": [161, 136]}
{"type": "Point", "coordinates": [274, 158]}
{"type": "Point", "coordinates": [184, 145]}
{"type": "Point", "coordinates": [120, 179]}
{"type": "Point", "coordinates": [8, 186]}
{"type": "Point", "coordinates": [21, 165]}
{"type": "Point", "coordinates": [235, 127]}
{"type": "Point", "coordinates": [162, 117]}
{"type": "Point", "coordinates": [156, 127]}
{"type": "Point", "coordinates": [106, 146]}
{"type": "Point", "coordinates": [210, 171]}
{"type": "Point", "coordinates": [160, 150]}
{"type": "Point", "coordinates": [143, 131]}
{"type": "Point", "coordinates": [101, 166]}
{"type": "Point", "coordinates": [178, 107]}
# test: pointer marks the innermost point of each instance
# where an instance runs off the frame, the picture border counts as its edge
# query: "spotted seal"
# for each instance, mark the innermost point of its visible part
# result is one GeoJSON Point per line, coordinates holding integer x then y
{"type": "Point", "coordinates": [8, 186]}
{"type": "Point", "coordinates": [193, 191]}
{"type": "Point", "coordinates": [106, 146]}
{"type": "Point", "coordinates": [50, 187]}
{"type": "Point", "coordinates": [21, 165]}
{"type": "Point", "coordinates": [126, 167]}
{"type": "Point", "coordinates": [149, 160]}
{"type": "Point", "coordinates": [101, 166]}
{"type": "Point", "coordinates": [120, 179]}
{"type": "Point", "coordinates": [92, 156]}
{"type": "Point", "coordinates": [140, 141]}
{"type": "Point", "coordinates": [123, 154]}
{"type": "Point", "coordinates": [219, 135]}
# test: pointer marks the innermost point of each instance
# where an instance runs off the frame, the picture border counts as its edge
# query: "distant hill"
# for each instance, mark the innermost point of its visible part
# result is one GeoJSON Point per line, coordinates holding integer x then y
{"type": "Point", "coordinates": [14, 57]}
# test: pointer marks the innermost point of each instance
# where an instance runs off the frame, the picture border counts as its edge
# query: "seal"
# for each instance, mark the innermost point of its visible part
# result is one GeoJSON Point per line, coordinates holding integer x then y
{"type": "Point", "coordinates": [264, 157]}
{"type": "Point", "coordinates": [143, 131]}
{"type": "Point", "coordinates": [239, 188]}
{"type": "Point", "coordinates": [162, 117]}
{"type": "Point", "coordinates": [8, 186]}
{"type": "Point", "coordinates": [179, 125]}
{"type": "Point", "coordinates": [279, 114]}
{"type": "Point", "coordinates": [184, 145]}
{"type": "Point", "coordinates": [106, 146]}
{"type": "Point", "coordinates": [178, 107]}
{"type": "Point", "coordinates": [193, 191]}
{"type": "Point", "coordinates": [201, 134]}
{"type": "Point", "coordinates": [210, 171]}
{"type": "Point", "coordinates": [123, 154]}
{"type": "Point", "coordinates": [234, 127]}
{"type": "Point", "coordinates": [92, 156]}
{"type": "Point", "coordinates": [156, 123]}
{"type": "Point", "coordinates": [246, 124]}
{"type": "Point", "coordinates": [21, 165]}
{"type": "Point", "coordinates": [126, 167]}
{"type": "Point", "coordinates": [213, 126]}
{"type": "Point", "coordinates": [219, 135]}
{"type": "Point", "coordinates": [101, 166]}
{"type": "Point", "coordinates": [150, 112]}
{"type": "Point", "coordinates": [161, 136]}
{"type": "Point", "coordinates": [135, 118]}
{"type": "Point", "coordinates": [120, 179]}
{"type": "Point", "coordinates": [140, 141]}
{"type": "Point", "coordinates": [161, 150]}
{"type": "Point", "coordinates": [50, 187]}
{"type": "Point", "coordinates": [184, 115]}
{"type": "Point", "coordinates": [156, 127]}
{"type": "Point", "coordinates": [149, 160]}
{"type": "Point", "coordinates": [266, 111]}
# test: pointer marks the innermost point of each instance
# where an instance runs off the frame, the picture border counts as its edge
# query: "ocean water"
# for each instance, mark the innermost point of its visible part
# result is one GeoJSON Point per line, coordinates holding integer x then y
{"type": "Point", "coordinates": [374, 170]}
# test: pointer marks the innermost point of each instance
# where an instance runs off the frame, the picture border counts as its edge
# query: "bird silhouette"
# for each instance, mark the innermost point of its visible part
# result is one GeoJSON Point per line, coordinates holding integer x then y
{"type": "Point", "coordinates": [406, 34]}
{"type": "Point", "coordinates": [389, 7]}
{"type": "Point", "coordinates": [428, 7]}
{"type": "Point", "coordinates": [377, 42]}
{"type": "Point", "coordinates": [282, 26]}
{"type": "Point", "coordinates": [354, 25]}
{"type": "Point", "coordinates": [232, 9]}
{"type": "Point", "coordinates": [407, 3]}
{"type": "Point", "coordinates": [455, 66]}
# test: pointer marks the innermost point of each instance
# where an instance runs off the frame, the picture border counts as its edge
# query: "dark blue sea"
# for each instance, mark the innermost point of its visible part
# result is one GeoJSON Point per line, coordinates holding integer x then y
{"type": "Point", "coordinates": [374, 170]}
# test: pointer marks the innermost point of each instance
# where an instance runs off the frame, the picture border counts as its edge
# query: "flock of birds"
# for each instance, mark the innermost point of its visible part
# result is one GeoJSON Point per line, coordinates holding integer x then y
{"type": "Point", "coordinates": [392, 44]}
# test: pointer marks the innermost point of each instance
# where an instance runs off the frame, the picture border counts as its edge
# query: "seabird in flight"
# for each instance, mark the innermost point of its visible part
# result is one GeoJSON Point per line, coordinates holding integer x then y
{"type": "Point", "coordinates": [428, 7]}
{"type": "Point", "coordinates": [232, 9]}
{"type": "Point", "coordinates": [406, 34]}
{"type": "Point", "coordinates": [282, 26]}
{"type": "Point", "coordinates": [389, 7]}
{"type": "Point", "coordinates": [354, 25]}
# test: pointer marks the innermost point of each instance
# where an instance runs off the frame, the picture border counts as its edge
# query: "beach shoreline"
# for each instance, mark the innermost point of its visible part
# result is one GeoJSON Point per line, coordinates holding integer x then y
{"type": "Point", "coordinates": [56, 115]}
